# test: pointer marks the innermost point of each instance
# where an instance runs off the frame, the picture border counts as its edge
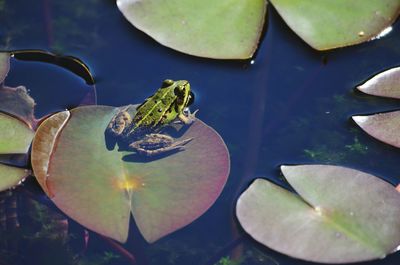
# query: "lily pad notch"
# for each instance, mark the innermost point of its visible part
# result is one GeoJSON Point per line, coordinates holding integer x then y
{"type": "Point", "coordinates": [382, 126]}
{"type": "Point", "coordinates": [339, 215]}
{"type": "Point", "coordinates": [231, 29]}
{"type": "Point", "coordinates": [162, 195]}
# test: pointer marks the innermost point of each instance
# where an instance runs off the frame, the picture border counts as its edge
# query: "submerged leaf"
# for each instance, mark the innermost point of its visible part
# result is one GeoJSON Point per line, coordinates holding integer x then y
{"type": "Point", "coordinates": [99, 187]}
{"type": "Point", "coordinates": [15, 135]}
{"type": "Point", "coordinates": [340, 215]}
{"type": "Point", "coordinates": [331, 24]}
{"type": "Point", "coordinates": [223, 29]}
{"type": "Point", "coordinates": [17, 102]}
{"type": "Point", "coordinates": [385, 84]}
{"type": "Point", "coordinates": [10, 176]}
{"type": "Point", "coordinates": [70, 63]}
{"type": "Point", "coordinates": [4, 65]}
{"type": "Point", "coordinates": [383, 126]}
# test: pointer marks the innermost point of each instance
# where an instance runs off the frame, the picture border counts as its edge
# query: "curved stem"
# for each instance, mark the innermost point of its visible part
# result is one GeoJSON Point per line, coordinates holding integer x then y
{"type": "Point", "coordinates": [120, 249]}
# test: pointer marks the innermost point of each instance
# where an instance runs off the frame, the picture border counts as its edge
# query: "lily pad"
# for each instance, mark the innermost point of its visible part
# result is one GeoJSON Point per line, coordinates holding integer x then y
{"type": "Point", "coordinates": [17, 102]}
{"type": "Point", "coordinates": [223, 29]}
{"type": "Point", "coordinates": [383, 126]}
{"type": "Point", "coordinates": [385, 84]}
{"type": "Point", "coordinates": [43, 143]}
{"type": "Point", "coordinates": [331, 24]}
{"type": "Point", "coordinates": [15, 135]}
{"type": "Point", "coordinates": [15, 138]}
{"type": "Point", "coordinates": [11, 176]}
{"type": "Point", "coordinates": [4, 65]}
{"type": "Point", "coordinates": [339, 215]}
{"type": "Point", "coordinates": [99, 187]}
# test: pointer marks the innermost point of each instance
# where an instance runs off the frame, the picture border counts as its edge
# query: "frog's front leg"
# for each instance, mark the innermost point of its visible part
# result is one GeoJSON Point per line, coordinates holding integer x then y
{"type": "Point", "coordinates": [188, 117]}
{"type": "Point", "coordinates": [155, 144]}
{"type": "Point", "coordinates": [119, 122]}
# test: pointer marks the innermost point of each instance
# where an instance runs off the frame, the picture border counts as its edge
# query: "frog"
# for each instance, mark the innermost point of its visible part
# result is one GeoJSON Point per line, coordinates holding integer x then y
{"type": "Point", "coordinates": [144, 130]}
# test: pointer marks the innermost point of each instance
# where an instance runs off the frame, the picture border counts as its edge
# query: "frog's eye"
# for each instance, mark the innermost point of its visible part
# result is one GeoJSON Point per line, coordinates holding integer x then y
{"type": "Point", "coordinates": [179, 90]}
{"type": "Point", "coordinates": [167, 83]}
{"type": "Point", "coordinates": [191, 98]}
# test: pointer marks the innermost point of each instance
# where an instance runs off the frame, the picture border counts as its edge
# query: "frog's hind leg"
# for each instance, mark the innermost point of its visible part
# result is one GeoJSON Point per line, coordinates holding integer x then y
{"type": "Point", "coordinates": [155, 144]}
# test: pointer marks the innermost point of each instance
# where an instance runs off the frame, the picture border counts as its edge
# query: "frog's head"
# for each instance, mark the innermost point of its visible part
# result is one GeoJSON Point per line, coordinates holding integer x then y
{"type": "Point", "coordinates": [184, 96]}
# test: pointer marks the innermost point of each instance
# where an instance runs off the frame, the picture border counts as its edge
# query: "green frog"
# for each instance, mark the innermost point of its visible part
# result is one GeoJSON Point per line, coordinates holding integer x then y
{"type": "Point", "coordinates": [143, 131]}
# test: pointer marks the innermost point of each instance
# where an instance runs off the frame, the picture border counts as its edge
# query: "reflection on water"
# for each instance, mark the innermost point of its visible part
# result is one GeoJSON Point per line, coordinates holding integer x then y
{"type": "Point", "coordinates": [384, 32]}
{"type": "Point", "coordinates": [288, 105]}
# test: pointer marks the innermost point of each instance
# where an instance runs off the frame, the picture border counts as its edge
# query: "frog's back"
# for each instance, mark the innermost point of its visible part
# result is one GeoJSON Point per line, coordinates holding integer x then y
{"type": "Point", "coordinates": [154, 112]}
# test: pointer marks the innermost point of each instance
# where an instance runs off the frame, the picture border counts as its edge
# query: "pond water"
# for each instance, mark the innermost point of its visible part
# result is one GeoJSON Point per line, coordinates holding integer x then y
{"type": "Point", "coordinates": [288, 105]}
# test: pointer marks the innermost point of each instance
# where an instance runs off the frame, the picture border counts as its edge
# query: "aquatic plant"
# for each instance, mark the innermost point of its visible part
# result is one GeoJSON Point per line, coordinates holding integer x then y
{"type": "Point", "coordinates": [337, 215]}
{"type": "Point", "coordinates": [175, 189]}
{"type": "Point", "coordinates": [231, 29]}
{"type": "Point", "coordinates": [384, 126]}
{"type": "Point", "coordinates": [106, 258]}
{"type": "Point", "coordinates": [227, 261]}
{"type": "Point", "coordinates": [163, 195]}
{"type": "Point", "coordinates": [223, 29]}
{"type": "Point", "coordinates": [73, 139]}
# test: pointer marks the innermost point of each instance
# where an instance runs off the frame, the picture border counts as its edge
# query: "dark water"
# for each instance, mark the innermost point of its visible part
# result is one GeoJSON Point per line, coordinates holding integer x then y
{"type": "Point", "coordinates": [292, 106]}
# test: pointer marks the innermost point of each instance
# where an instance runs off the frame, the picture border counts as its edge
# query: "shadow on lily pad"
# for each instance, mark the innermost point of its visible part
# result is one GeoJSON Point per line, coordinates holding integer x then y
{"type": "Point", "coordinates": [97, 188]}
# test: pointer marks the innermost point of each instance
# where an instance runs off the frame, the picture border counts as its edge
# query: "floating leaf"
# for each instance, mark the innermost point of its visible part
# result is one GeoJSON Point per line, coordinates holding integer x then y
{"type": "Point", "coordinates": [385, 84]}
{"type": "Point", "coordinates": [383, 126]}
{"type": "Point", "coordinates": [223, 29]}
{"type": "Point", "coordinates": [17, 102]}
{"type": "Point", "coordinates": [330, 24]}
{"type": "Point", "coordinates": [100, 187]}
{"type": "Point", "coordinates": [15, 138]}
{"type": "Point", "coordinates": [340, 215]}
{"type": "Point", "coordinates": [4, 65]}
{"type": "Point", "coordinates": [15, 135]}
{"type": "Point", "coordinates": [10, 176]}
{"type": "Point", "coordinates": [43, 145]}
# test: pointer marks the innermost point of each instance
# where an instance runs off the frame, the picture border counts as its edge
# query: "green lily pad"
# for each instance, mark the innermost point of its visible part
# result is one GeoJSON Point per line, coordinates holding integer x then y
{"type": "Point", "coordinates": [331, 24]}
{"type": "Point", "coordinates": [99, 187]}
{"type": "Point", "coordinates": [15, 135]}
{"type": "Point", "coordinates": [15, 138]}
{"type": "Point", "coordinates": [11, 176]}
{"type": "Point", "coordinates": [339, 215]}
{"type": "Point", "coordinates": [385, 84]}
{"type": "Point", "coordinates": [4, 65]}
{"type": "Point", "coordinates": [224, 29]}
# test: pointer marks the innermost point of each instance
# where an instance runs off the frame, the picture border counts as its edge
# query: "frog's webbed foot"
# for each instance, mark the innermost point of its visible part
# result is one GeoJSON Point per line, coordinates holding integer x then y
{"type": "Point", "coordinates": [155, 144]}
{"type": "Point", "coordinates": [187, 117]}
